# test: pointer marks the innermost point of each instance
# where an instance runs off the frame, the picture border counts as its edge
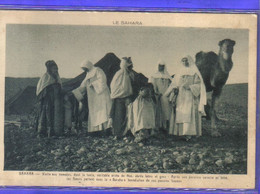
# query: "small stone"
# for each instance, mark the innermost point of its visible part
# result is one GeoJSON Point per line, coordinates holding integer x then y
{"type": "Point", "coordinates": [189, 168]}
{"type": "Point", "coordinates": [163, 151]}
{"type": "Point", "coordinates": [81, 150]}
{"type": "Point", "coordinates": [166, 165]}
{"type": "Point", "coordinates": [49, 167]}
{"type": "Point", "coordinates": [120, 151]}
{"type": "Point", "coordinates": [194, 156]}
{"type": "Point", "coordinates": [18, 157]}
{"type": "Point", "coordinates": [150, 163]}
{"type": "Point", "coordinates": [126, 163]}
{"type": "Point", "coordinates": [26, 159]}
{"type": "Point", "coordinates": [199, 167]}
{"type": "Point", "coordinates": [59, 153]}
{"type": "Point", "coordinates": [26, 168]}
{"type": "Point", "coordinates": [67, 151]}
{"type": "Point", "coordinates": [56, 158]}
{"type": "Point", "coordinates": [110, 152]}
{"type": "Point", "coordinates": [196, 145]}
{"type": "Point", "coordinates": [192, 161]}
{"type": "Point", "coordinates": [219, 163]}
{"type": "Point", "coordinates": [165, 159]}
{"type": "Point", "coordinates": [156, 167]}
{"type": "Point", "coordinates": [181, 159]}
{"type": "Point", "coordinates": [228, 160]}
{"type": "Point", "coordinates": [175, 153]}
{"type": "Point", "coordinates": [202, 163]}
{"type": "Point", "coordinates": [131, 149]}
{"type": "Point", "coordinates": [201, 156]}
{"type": "Point", "coordinates": [141, 144]}
{"type": "Point", "coordinates": [135, 168]}
{"type": "Point", "coordinates": [229, 154]}
{"type": "Point", "coordinates": [85, 167]}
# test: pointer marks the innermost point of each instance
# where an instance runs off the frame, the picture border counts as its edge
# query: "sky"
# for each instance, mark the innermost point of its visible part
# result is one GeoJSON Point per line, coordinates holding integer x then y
{"type": "Point", "coordinates": [28, 47]}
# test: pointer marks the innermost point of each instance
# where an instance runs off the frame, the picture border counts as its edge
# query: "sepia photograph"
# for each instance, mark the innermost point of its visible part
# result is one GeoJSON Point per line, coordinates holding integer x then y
{"type": "Point", "coordinates": [126, 98]}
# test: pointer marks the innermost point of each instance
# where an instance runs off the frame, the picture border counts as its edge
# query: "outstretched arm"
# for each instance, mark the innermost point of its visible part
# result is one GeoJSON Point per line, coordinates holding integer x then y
{"type": "Point", "coordinates": [100, 84]}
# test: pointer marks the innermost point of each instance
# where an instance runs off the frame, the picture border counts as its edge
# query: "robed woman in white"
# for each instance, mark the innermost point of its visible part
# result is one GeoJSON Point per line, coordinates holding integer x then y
{"type": "Point", "coordinates": [99, 102]}
{"type": "Point", "coordinates": [161, 81]}
{"type": "Point", "coordinates": [186, 119]}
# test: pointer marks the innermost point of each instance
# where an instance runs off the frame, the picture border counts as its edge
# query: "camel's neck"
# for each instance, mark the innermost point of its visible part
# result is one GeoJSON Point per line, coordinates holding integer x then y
{"type": "Point", "coordinates": [225, 61]}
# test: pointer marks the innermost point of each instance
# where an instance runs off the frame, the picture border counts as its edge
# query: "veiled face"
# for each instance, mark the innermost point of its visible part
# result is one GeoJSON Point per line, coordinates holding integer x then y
{"type": "Point", "coordinates": [54, 70]}
{"type": "Point", "coordinates": [145, 92]}
{"type": "Point", "coordinates": [130, 67]}
{"type": "Point", "coordinates": [185, 62]}
{"type": "Point", "coordinates": [161, 67]}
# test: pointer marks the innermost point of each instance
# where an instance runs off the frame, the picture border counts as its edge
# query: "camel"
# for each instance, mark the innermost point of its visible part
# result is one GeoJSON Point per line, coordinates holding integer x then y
{"type": "Point", "coordinates": [215, 70]}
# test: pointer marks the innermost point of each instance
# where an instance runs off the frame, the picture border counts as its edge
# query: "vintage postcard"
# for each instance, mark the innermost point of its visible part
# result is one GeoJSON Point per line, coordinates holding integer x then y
{"type": "Point", "coordinates": [113, 99]}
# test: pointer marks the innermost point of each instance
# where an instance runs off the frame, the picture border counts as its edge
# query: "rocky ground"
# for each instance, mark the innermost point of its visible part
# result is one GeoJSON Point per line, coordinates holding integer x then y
{"type": "Point", "coordinates": [224, 155]}
{"type": "Point", "coordinates": [162, 153]}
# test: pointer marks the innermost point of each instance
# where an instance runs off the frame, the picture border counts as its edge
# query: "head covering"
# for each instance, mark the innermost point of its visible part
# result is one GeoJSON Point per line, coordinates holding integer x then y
{"type": "Point", "coordinates": [121, 84]}
{"type": "Point", "coordinates": [49, 64]}
{"type": "Point", "coordinates": [87, 64]}
{"type": "Point", "coordinates": [47, 79]}
{"type": "Point", "coordinates": [128, 60]}
{"type": "Point", "coordinates": [190, 70]}
{"type": "Point", "coordinates": [160, 74]}
{"type": "Point", "coordinates": [92, 70]}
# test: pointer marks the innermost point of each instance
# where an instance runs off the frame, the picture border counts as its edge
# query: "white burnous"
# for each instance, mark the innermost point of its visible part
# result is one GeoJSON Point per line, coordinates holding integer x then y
{"type": "Point", "coordinates": [99, 102]}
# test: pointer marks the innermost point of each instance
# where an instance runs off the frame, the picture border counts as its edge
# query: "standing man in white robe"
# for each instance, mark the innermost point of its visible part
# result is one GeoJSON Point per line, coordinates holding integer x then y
{"type": "Point", "coordinates": [99, 102]}
{"type": "Point", "coordinates": [161, 81]}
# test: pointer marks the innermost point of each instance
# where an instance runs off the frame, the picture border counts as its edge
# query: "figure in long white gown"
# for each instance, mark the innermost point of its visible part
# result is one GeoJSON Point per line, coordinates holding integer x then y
{"type": "Point", "coordinates": [99, 101]}
{"type": "Point", "coordinates": [186, 120]}
{"type": "Point", "coordinates": [161, 81]}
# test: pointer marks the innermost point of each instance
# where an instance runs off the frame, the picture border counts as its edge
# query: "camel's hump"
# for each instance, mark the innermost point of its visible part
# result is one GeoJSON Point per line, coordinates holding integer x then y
{"type": "Point", "coordinates": [206, 58]}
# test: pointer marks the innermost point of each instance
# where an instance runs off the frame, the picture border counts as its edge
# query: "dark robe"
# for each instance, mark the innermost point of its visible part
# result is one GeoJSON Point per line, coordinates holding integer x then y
{"type": "Point", "coordinates": [50, 116]}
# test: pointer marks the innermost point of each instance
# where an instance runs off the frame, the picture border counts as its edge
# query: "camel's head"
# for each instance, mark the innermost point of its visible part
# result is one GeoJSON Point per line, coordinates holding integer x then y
{"type": "Point", "coordinates": [226, 47]}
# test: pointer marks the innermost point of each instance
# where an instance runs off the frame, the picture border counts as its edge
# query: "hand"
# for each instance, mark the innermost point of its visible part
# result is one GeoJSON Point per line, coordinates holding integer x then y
{"type": "Point", "coordinates": [186, 87]}
{"type": "Point", "coordinates": [80, 106]}
{"type": "Point", "coordinates": [110, 123]}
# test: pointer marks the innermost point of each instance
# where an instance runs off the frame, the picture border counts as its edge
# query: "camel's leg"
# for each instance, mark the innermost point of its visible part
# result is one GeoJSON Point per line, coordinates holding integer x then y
{"type": "Point", "coordinates": [215, 96]}
{"type": "Point", "coordinates": [207, 110]}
